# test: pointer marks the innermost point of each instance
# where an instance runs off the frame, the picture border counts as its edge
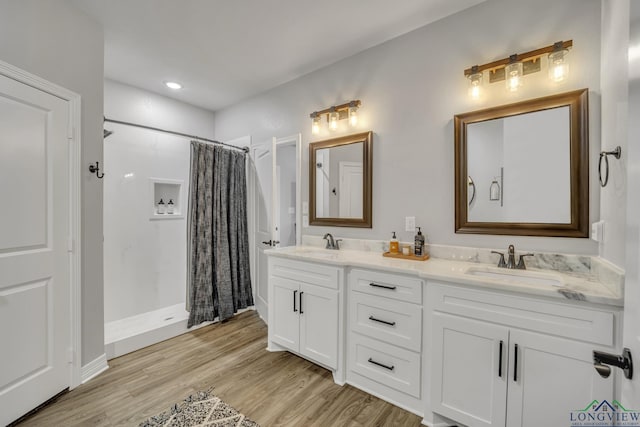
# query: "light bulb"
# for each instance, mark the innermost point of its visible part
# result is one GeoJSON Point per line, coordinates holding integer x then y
{"type": "Point", "coordinates": [513, 74]}
{"type": "Point", "coordinates": [315, 124]}
{"type": "Point", "coordinates": [333, 119]}
{"type": "Point", "coordinates": [558, 65]}
{"type": "Point", "coordinates": [475, 83]}
{"type": "Point", "coordinates": [353, 116]}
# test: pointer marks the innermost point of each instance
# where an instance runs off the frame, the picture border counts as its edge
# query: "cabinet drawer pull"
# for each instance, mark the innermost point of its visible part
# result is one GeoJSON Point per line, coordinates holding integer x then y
{"type": "Point", "coordinates": [515, 362]}
{"type": "Point", "coordinates": [382, 321]}
{"type": "Point", "coordinates": [301, 312]}
{"type": "Point", "coordinates": [376, 285]}
{"type": "Point", "coordinates": [381, 364]}
{"type": "Point", "coordinates": [294, 301]}
{"type": "Point", "coordinates": [500, 360]}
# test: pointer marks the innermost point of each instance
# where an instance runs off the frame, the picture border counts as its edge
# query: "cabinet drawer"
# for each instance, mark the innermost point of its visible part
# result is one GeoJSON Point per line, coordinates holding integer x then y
{"type": "Point", "coordinates": [564, 320]}
{"type": "Point", "coordinates": [395, 322]}
{"type": "Point", "coordinates": [390, 365]}
{"type": "Point", "coordinates": [308, 272]}
{"type": "Point", "coordinates": [398, 287]}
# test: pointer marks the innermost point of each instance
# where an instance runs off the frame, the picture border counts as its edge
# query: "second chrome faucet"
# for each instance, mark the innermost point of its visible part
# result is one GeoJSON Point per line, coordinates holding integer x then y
{"type": "Point", "coordinates": [511, 261]}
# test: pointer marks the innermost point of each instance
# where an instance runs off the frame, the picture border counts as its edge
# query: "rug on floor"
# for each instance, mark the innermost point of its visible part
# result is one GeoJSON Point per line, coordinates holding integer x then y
{"type": "Point", "coordinates": [202, 409]}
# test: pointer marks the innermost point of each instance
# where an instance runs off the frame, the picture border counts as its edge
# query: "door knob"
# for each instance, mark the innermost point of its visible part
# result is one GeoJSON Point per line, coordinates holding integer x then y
{"type": "Point", "coordinates": [602, 362]}
{"type": "Point", "coordinates": [268, 243]}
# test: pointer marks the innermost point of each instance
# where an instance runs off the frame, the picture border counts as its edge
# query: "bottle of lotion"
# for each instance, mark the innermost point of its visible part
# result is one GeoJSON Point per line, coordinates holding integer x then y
{"type": "Point", "coordinates": [161, 207]}
{"type": "Point", "coordinates": [394, 246]}
{"type": "Point", "coordinates": [419, 243]}
{"type": "Point", "coordinates": [170, 207]}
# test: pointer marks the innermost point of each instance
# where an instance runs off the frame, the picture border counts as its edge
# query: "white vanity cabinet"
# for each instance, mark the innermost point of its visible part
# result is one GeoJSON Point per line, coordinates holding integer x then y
{"type": "Point", "coordinates": [384, 337]}
{"type": "Point", "coordinates": [304, 312]}
{"type": "Point", "coordinates": [505, 360]}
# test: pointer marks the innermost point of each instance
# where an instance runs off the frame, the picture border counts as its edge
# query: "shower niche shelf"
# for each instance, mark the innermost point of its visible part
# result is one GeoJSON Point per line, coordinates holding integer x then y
{"type": "Point", "coordinates": [166, 189]}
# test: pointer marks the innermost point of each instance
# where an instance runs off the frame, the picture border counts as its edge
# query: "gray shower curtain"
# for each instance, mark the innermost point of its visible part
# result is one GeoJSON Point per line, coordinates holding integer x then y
{"type": "Point", "coordinates": [219, 281]}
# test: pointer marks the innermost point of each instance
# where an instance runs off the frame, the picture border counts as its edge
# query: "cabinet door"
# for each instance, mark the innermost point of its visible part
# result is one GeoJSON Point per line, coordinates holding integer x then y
{"type": "Point", "coordinates": [319, 324]}
{"type": "Point", "coordinates": [469, 373]}
{"type": "Point", "coordinates": [553, 377]}
{"type": "Point", "coordinates": [283, 312]}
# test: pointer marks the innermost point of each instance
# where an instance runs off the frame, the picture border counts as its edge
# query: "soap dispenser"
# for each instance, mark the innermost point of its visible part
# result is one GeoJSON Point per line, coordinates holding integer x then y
{"type": "Point", "coordinates": [161, 207]}
{"type": "Point", "coordinates": [170, 207]}
{"type": "Point", "coordinates": [394, 245]}
{"type": "Point", "coordinates": [419, 243]}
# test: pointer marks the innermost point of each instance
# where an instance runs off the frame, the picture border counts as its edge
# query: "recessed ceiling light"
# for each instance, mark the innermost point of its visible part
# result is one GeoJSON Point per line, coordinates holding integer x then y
{"type": "Point", "coordinates": [173, 85]}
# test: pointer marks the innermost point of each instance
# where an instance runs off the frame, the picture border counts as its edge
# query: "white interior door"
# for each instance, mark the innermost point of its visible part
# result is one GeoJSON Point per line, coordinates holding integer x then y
{"type": "Point", "coordinates": [350, 193]}
{"type": "Point", "coordinates": [286, 172]}
{"type": "Point", "coordinates": [35, 288]}
{"type": "Point", "coordinates": [261, 173]}
{"type": "Point", "coordinates": [631, 388]}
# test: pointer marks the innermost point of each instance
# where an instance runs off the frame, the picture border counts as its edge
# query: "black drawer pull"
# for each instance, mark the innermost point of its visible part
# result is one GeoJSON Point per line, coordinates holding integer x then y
{"type": "Point", "coordinates": [382, 321]}
{"type": "Point", "coordinates": [375, 285]}
{"type": "Point", "coordinates": [301, 312]}
{"type": "Point", "coordinates": [515, 363]}
{"type": "Point", "coordinates": [381, 364]}
{"type": "Point", "coordinates": [500, 361]}
{"type": "Point", "coordinates": [294, 301]}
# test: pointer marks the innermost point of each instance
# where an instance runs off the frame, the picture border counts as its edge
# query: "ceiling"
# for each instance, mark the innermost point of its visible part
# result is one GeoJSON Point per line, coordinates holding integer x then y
{"type": "Point", "coordinates": [224, 51]}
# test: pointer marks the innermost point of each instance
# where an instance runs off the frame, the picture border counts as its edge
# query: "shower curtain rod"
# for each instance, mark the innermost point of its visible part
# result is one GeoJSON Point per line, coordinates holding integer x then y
{"type": "Point", "coordinates": [245, 149]}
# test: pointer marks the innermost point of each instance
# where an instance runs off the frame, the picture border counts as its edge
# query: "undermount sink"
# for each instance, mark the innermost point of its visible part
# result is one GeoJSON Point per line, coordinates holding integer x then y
{"type": "Point", "coordinates": [515, 276]}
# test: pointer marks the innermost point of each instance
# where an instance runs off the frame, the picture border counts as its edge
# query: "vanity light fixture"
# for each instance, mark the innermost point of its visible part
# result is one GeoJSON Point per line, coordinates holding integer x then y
{"type": "Point", "coordinates": [334, 114]}
{"type": "Point", "coordinates": [513, 68]}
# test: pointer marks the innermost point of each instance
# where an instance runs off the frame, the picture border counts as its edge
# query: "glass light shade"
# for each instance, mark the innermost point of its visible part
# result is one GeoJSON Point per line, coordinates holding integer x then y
{"type": "Point", "coordinates": [513, 76]}
{"type": "Point", "coordinates": [315, 125]}
{"type": "Point", "coordinates": [475, 83]}
{"type": "Point", "coordinates": [333, 120]}
{"type": "Point", "coordinates": [558, 65]}
{"type": "Point", "coordinates": [353, 116]}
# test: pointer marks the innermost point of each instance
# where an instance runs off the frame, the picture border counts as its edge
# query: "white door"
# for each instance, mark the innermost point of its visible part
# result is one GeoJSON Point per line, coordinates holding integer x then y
{"type": "Point", "coordinates": [469, 370]}
{"type": "Point", "coordinates": [286, 173]}
{"type": "Point", "coordinates": [319, 324]}
{"type": "Point", "coordinates": [350, 192]}
{"type": "Point", "coordinates": [34, 265]}
{"type": "Point", "coordinates": [261, 184]}
{"type": "Point", "coordinates": [631, 388]}
{"type": "Point", "coordinates": [285, 317]}
{"type": "Point", "coordinates": [552, 378]}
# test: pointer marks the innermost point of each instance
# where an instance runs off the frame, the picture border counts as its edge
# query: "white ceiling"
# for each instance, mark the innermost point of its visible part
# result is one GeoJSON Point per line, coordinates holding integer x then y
{"type": "Point", "coordinates": [224, 51]}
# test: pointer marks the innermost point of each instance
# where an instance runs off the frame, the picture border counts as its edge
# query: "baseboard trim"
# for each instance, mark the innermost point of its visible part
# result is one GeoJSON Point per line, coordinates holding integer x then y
{"type": "Point", "coordinates": [94, 368]}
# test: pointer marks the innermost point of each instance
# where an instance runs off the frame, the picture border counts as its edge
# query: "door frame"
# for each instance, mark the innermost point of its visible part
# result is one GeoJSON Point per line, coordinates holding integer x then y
{"type": "Point", "coordinates": [296, 140]}
{"type": "Point", "coordinates": [74, 208]}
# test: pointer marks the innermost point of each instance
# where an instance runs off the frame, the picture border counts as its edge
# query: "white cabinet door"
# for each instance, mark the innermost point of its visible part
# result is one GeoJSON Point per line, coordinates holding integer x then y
{"type": "Point", "coordinates": [469, 370]}
{"type": "Point", "coordinates": [283, 313]}
{"type": "Point", "coordinates": [553, 377]}
{"type": "Point", "coordinates": [319, 324]}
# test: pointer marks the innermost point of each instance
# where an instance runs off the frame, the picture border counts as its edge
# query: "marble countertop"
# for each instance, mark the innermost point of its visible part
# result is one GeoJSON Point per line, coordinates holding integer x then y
{"type": "Point", "coordinates": [532, 281]}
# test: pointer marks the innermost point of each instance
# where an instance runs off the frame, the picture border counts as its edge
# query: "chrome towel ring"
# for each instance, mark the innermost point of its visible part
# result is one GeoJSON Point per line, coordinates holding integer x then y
{"type": "Point", "coordinates": [605, 155]}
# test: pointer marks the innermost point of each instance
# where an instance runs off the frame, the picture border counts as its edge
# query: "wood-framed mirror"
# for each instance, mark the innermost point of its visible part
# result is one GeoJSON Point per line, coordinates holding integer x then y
{"type": "Point", "coordinates": [340, 181]}
{"type": "Point", "coordinates": [523, 169]}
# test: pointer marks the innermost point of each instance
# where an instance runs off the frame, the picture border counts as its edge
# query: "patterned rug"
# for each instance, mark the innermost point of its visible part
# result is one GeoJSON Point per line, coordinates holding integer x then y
{"type": "Point", "coordinates": [202, 409]}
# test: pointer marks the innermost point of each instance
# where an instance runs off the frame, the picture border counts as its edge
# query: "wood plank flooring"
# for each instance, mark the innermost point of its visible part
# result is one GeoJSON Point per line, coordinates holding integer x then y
{"type": "Point", "coordinates": [273, 389]}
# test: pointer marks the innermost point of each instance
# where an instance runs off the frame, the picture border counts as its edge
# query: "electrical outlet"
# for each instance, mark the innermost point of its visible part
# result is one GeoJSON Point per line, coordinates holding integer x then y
{"type": "Point", "coordinates": [410, 223]}
{"type": "Point", "coordinates": [305, 208]}
{"type": "Point", "coordinates": [305, 221]}
{"type": "Point", "coordinates": [597, 231]}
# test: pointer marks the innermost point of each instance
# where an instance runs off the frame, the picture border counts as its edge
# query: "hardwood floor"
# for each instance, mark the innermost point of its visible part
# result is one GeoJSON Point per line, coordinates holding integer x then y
{"type": "Point", "coordinates": [273, 389]}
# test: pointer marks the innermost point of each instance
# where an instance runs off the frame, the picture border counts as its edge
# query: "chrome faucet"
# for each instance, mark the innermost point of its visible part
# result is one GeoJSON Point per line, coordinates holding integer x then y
{"type": "Point", "coordinates": [511, 262]}
{"type": "Point", "coordinates": [331, 243]}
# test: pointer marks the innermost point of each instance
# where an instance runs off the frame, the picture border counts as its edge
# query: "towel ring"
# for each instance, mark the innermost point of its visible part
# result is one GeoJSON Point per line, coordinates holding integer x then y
{"type": "Point", "coordinates": [605, 155]}
{"type": "Point", "coordinates": [471, 184]}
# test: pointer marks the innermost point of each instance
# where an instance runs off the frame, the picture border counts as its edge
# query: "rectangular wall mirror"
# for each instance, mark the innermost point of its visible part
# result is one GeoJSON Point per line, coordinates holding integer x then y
{"type": "Point", "coordinates": [523, 169]}
{"type": "Point", "coordinates": [340, 185]}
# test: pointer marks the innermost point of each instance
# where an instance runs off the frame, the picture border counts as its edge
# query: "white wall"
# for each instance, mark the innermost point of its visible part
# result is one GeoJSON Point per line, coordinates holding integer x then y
{"type": "Point", "coordinates": [615, 42]}
{"type": "Point", "coordinates": [59, 43]}
{"type": "Point", "coordinates": [145, 259]}
{"type": "Point", "coordinates": [411, 87]}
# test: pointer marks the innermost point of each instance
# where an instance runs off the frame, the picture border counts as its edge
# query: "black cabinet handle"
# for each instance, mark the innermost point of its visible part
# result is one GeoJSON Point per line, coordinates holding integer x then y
{"type": "Point", "coordinates": [515, 362]}
{"type": "Point", "coordinates": [381, 364]}
{"type": "Point", "coordinates": [382, 321]}
{"type": "Point", "coordinates": [301, 312]}
{"type": "Point", "coordinates": [375, 285]}
{"type": "Point", "coordinates": [500, 361]}
{"type": "Point", "coordinates": [294, 301]}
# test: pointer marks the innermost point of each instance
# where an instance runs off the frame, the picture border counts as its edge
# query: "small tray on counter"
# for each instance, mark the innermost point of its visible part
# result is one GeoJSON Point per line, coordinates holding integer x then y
{"type": "Point", "coordinates": [412, 257]}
